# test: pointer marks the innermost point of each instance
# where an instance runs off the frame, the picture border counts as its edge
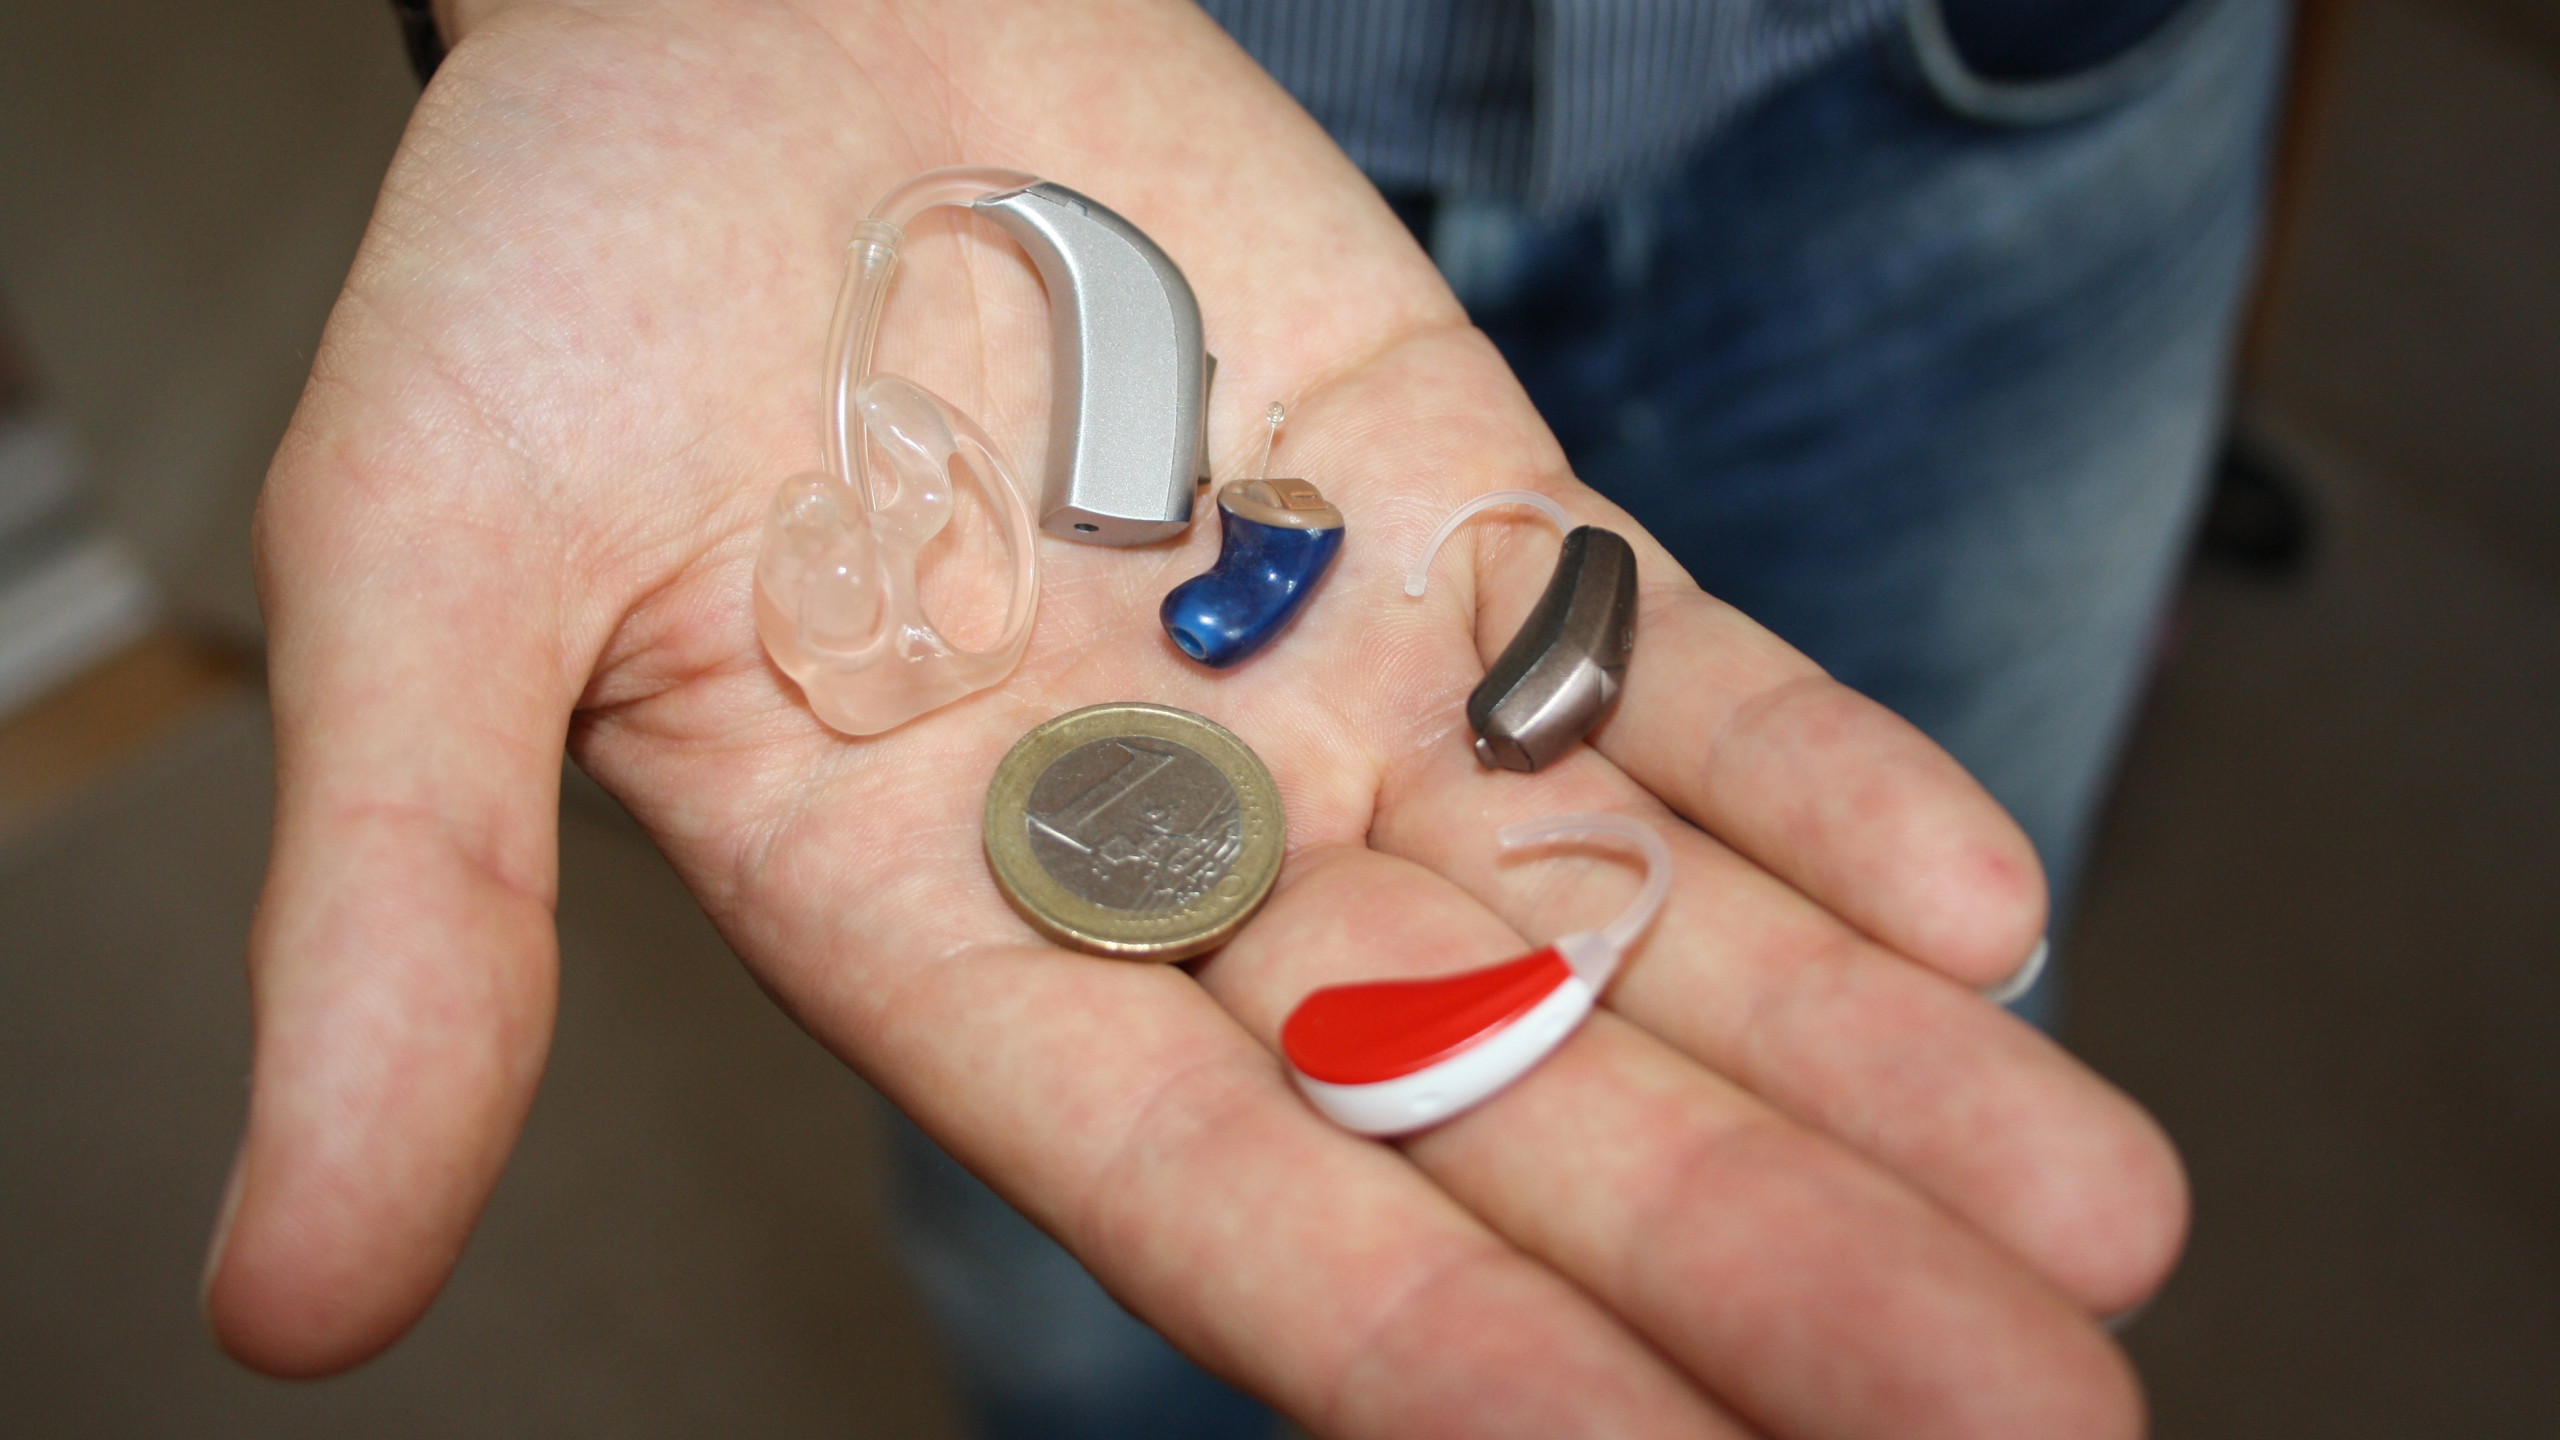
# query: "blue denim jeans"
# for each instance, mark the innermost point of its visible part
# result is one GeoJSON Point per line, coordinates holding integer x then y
{"type": "Point", "coordinates": [1929, 397]}
{"type": "Point", "coordinates": [1919, 369]}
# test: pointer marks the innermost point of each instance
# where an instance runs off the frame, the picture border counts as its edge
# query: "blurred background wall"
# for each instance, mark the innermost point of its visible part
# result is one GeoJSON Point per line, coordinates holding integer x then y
{"type": "Point", "coordinates": [180, 191]}
{"type": "Point", "coordinates": [2322, 937]}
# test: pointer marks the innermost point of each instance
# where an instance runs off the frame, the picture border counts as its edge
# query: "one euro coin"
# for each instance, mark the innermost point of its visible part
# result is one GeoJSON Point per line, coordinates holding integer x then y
{"type": "Point", "coordinates": [1133, 830]}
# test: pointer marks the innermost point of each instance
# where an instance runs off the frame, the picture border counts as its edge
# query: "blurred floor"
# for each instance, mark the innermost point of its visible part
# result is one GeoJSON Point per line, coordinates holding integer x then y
{"type": "Point", "coordinates": [2322, 936]}
{"type": "Point", "coordinates": [2320, 939]}
{"type": "Point", "coordinates": [2319, 942]}
{"type": "Point", "coordinates": [56, 751]}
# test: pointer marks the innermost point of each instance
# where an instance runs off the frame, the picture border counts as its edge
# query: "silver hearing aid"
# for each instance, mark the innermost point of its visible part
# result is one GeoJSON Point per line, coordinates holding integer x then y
{"type": "Point", "coordinates": [1129, 372]}
{"type": "Point", "coordinates": [838, 598]}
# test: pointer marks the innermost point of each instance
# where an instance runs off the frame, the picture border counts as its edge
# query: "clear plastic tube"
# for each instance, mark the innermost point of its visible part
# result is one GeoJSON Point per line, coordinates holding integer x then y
{"type": "Point", "coordinates": [1594, 954]}
{"type": "Point", "coordinates": [1419, 578]}
{"type": "Point", "coordinates": [838, 602]}
{"type": "Point", "coordinates": [871, 262]}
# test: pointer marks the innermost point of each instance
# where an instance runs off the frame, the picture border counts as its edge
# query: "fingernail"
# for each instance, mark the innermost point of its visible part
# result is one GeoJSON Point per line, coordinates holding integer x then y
{"type": "Point", "coordinates": [222, 1227]}
{"type": "Point", "coordinates": [2025, 978]}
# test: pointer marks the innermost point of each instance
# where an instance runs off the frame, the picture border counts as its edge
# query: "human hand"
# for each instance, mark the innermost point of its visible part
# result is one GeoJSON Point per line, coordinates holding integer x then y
{"type": "Point", "coordinates": [1796, 1180]}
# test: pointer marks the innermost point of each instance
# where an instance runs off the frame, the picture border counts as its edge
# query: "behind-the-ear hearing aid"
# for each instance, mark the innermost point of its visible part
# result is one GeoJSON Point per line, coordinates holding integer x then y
{"type": "Point", "coordinates": [1129, 371]}
{"type": "Point", "coordinates": [1395, 1056]}
{"type": "Point", "coordinates": [1560, 674]}
{"type": "Point", "coordinates": [836, 593]}
{"type": "Point", "coordinates": [1276, 540]}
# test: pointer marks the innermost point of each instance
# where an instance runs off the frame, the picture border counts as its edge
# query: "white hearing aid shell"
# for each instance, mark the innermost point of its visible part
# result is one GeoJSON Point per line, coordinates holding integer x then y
{"type": "Point", "coordinates": [1391, 1057]}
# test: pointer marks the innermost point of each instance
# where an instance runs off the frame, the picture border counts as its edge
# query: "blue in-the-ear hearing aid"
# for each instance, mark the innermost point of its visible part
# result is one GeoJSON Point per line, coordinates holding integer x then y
{"type": "Point", "coordinates": [1276, 540]}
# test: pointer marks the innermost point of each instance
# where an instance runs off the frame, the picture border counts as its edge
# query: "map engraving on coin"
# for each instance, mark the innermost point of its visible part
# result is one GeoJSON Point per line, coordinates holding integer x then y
{"type": "Point", "coordinates": [1134, 830]}
{"type": "Point", "coordinates": [1135, 823]}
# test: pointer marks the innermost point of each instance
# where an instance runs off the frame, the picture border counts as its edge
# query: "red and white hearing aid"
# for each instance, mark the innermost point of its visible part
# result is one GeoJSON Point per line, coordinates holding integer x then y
{"type": "Point", "coordinates": [1395, 1056]}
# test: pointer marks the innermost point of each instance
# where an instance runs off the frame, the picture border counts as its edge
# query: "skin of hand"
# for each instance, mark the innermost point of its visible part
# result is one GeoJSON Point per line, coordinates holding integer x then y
{"type": "Point", "coordinates": [1796, 1179]}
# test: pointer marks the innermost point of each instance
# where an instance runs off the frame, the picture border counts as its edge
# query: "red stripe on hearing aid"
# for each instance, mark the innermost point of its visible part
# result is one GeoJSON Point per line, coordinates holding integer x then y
{"type": "Point", "coordinates": [1362, 1034]}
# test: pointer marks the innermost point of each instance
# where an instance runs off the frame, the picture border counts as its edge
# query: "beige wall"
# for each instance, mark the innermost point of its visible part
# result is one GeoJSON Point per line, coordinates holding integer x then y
{"type": "Point", "coordinates": [181, 186]}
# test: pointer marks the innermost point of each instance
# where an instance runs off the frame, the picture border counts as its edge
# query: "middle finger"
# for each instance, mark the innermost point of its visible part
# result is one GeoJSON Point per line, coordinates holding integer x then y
{"type": "Point", "coordinates": [1801, 1284]}
{"type": "Point", "coordinates": [1762, 985]}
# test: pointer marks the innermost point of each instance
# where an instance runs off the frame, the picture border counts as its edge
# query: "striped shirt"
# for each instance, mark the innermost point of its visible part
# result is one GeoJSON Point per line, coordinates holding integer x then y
{"type": "Point", "coordinates": [1553, 104]}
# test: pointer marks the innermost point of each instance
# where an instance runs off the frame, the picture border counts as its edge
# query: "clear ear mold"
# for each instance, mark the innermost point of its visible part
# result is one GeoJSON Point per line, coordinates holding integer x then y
{"type": "Point", "coordinates": [837, 604]}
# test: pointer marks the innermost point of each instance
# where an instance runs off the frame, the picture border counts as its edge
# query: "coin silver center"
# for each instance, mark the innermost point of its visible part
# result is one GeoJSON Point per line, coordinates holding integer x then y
{"type": "Point", "coordinates": [1134, 823]}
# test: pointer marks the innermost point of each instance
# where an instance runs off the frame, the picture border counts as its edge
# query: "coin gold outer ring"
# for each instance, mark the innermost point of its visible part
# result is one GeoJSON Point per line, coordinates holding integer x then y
{"type": "Point", "coordinates": [1072, 920]}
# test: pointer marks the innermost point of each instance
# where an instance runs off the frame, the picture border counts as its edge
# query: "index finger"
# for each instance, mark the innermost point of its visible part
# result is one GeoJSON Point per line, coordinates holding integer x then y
{"type": "Point", "coordinates": [1821, 786]}
{"type": "Point", "coordinates": [1725, 722]}
{"type": "Point", "coordinates": [1843, 798]}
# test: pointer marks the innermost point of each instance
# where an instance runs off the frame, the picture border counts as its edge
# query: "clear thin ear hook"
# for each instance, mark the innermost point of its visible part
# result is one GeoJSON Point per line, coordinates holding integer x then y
{"type": "Point", "coordinates": [1419, 578]}
{"type": "Point", "coordinates": [1594, 954]}
{"type": "Point", "coordinates": [837, 600]}
{"type": "Point", "coordinates": [1559, 675]}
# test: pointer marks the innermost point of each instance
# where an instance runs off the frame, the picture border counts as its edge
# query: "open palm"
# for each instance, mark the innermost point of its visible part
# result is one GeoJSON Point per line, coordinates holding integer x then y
{"type": "Point", "coordinates": [1795, 1179]}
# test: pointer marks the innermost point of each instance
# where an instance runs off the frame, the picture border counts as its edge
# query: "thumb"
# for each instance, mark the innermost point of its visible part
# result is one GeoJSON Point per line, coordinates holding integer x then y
{"type": "Point", "coordinates": [403, 965]}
